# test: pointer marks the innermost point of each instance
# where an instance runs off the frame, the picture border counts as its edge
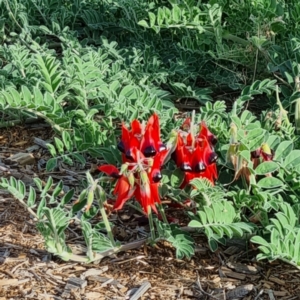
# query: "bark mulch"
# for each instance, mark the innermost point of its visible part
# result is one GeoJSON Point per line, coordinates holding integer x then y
{"type": "Point", "coordinates": [27, 271]}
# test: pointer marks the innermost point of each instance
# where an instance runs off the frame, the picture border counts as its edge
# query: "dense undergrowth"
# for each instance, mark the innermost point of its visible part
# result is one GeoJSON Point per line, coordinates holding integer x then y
{"type": "Point", "coordinates": [84, 66]}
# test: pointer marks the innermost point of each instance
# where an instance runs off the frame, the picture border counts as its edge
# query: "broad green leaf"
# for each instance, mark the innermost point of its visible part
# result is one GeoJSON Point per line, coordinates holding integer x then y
{"type": "Point", "coordinates": [270, 182]}
{"type": "Point", "coordinates": [52, 149]}
{"type": "Point", "coordinates": [195, 223]}
{"type": "Point", "coordinates": [79, 158]}
{"type": "Point", "coordinates": [51, 164]}
{"type": "Point", "coordinates": [67, 197]}
{"type": "Point", "coordinates": [143, 23]}
{"type": "Point", "coordinates": [213, 245]}
{"type": "Point", "coordinates": [292, 160]}
{"type": "Point", "coordinates": [177, 178]}
{"type": "Point", "coordinates": [266, 167]}
{"type": "Point", "coordinates": [152, 19]}
{"type": "Point", "coordinates": [209, 214]}
{"type": "Point", "coordinates": [260, 241]}
{"type": "Point", "coordinates": [26, 94]}
{"type": "Point", "coordinates": [283, 150]}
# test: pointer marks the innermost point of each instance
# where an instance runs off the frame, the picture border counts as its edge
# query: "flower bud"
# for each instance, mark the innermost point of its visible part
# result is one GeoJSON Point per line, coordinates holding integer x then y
{"type": "Point", "coordinates": [131, 179]}
{"type": "Point", "coordinates": [90, 199]}
{"type": "Point", "coordinates": [266, 152]}
{"type": "Point", "coordinates": [124, 168]}
{"type": "Point", "coordinates": [144, 177]}
{"type": "Point", "coordinates": [233, 134]}
{"type": "Point", "coordinates": [231, 154]}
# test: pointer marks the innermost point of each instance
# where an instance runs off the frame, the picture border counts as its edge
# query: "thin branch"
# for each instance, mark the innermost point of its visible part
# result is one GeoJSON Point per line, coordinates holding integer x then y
{"type": "Point", "coordinates": [201, 289]}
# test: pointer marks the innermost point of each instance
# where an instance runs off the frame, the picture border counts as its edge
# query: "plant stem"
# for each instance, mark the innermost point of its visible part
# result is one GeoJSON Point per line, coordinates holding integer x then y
{"type": "Point", "coordinates": [283, 112]}
{"type": "Point", "coordinates": [162, 211]}
{"type": "Point", "coordinates": [151, 224]}
{"type": "Point", "coordinates": [107, 224]}
{"type": "Point", "coordinates": [101, 197]}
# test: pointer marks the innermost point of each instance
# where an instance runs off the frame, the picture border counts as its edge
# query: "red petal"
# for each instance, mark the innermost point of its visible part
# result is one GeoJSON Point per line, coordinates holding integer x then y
{"type": "Point", "coordinates": [204, 132]}
{"type": "Point", "coordinates": [148, 140]}
{"type": "Point", "coordinates": [125, 137]}
{"type": "Point", "coordinates": [158, 161]}
{"type": "Point", "coordinates": [136, 127]}
{"type": "Point", "coordinates": [206, 151]}
{"type": "Point", "coordinates": [109, 169]}
{"type": "Point", "coordinates": [151, 136]}
{"type": "Point", "coordinates": [197, 159]}
{"type": "Point", "coordinates": [123, 192]}
{"type": "Point", "coordinates": [187, 178]}
{"type": "Point", "coordinates": [182, 154]}
{"type": "Point", "coordinates": [189, 139]}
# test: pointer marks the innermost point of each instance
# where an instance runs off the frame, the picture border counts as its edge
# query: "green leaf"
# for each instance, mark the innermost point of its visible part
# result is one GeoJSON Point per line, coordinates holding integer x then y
{"type": "Point", "coordinates": [292, 160]}
{"type": "Point", "coordinates": [52, 150]}
{"type": "Point", "coordinates": [266, 167]}
{"type": "Point", "coordinates": [213, 245]}
{"type": "Point", "coordinates": [260, 241]}
{"type": "Point", "coordinates": [38, 183]}
{"type": "Point", "coordinates": [79, 158]}
{"type": "Point", "coordinates": [177, 178]}
{"type": "Point", "coordinates": [67, 140]}
{"type": "Point", "coordinates": [143, 23]}
{"type": "Point", "coordinates": [270, 183]}
{"type": "Point", "coordinates": [51, 164]}
{"type": "Point", "coordinates": [31, 197]}
{"type": "Point", "coordinates": [58, 189]}
{"type": "Point", "coordinates": [195, 223]}
{"type": "Point", "coordinates": [283, 150]}
{"type": "Point", "coordinates": [59, 145]}
{"type": "Point", "coordinates": [152, 19]}
{"type": "Point", "coordinates": [41, 206]}
{"type": "Point", "coordinates": [67, 197]}
{"type": "Point", "coordinates": [91, 213]}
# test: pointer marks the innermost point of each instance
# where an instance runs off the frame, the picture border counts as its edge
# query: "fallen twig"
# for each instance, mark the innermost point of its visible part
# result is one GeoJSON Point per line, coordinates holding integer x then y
{"type": "Point", "coordinates": [201, 289]}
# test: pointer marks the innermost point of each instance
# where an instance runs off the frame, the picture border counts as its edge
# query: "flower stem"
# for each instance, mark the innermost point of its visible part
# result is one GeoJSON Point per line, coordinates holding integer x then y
{"type": "Point", "coordinates": [101, 197]}
{"type": "Point", "coordinates": [151, 224]}
{"type": "Point", "coordinates": [162, 211]}
{"type": "Point", "coordinates": [107, 224]}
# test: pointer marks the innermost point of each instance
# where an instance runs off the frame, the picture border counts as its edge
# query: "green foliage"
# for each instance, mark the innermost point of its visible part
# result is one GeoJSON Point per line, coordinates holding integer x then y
{"type": "Point", "coordinates": [86, 66]}
{"type": "Point", "coordinates": [180, 240]}
{"type": "Point", "coordinates": [219, 220]}
{"type": "Point", "coordinates": [282, 237]}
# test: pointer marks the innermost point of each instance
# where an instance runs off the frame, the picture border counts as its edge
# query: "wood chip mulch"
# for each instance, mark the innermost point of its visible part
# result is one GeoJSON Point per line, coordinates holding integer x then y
{"type": "Point", "coordinates": [27, 271]}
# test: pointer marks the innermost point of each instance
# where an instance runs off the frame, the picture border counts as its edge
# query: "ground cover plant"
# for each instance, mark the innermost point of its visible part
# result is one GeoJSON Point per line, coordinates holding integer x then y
{"type": "Point", "coordinates": [186, 104]}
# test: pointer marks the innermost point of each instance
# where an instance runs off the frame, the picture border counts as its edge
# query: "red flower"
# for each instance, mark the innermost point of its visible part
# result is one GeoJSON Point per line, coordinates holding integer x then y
{"type": "Point", "coordinates": [123, 189]}
{"type": "Point", "coordinates": [264, 153]}
{"type": "Point", "coordinates": [141, 180]}
{"type": "Point", "coordinates": [194, 154]}
{"type": "Point", "coordinates": [145, 138]}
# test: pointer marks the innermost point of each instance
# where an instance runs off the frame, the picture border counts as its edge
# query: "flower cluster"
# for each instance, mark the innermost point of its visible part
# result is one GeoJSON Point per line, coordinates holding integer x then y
{"type": "Point", "coordinates": [194, 152]}
{"type": "Point", "coordinates": [143, 154]}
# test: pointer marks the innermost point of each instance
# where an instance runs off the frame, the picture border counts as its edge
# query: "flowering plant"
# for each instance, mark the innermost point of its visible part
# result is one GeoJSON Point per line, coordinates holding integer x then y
{"type": "Point", "coordinates": [144, 154]}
